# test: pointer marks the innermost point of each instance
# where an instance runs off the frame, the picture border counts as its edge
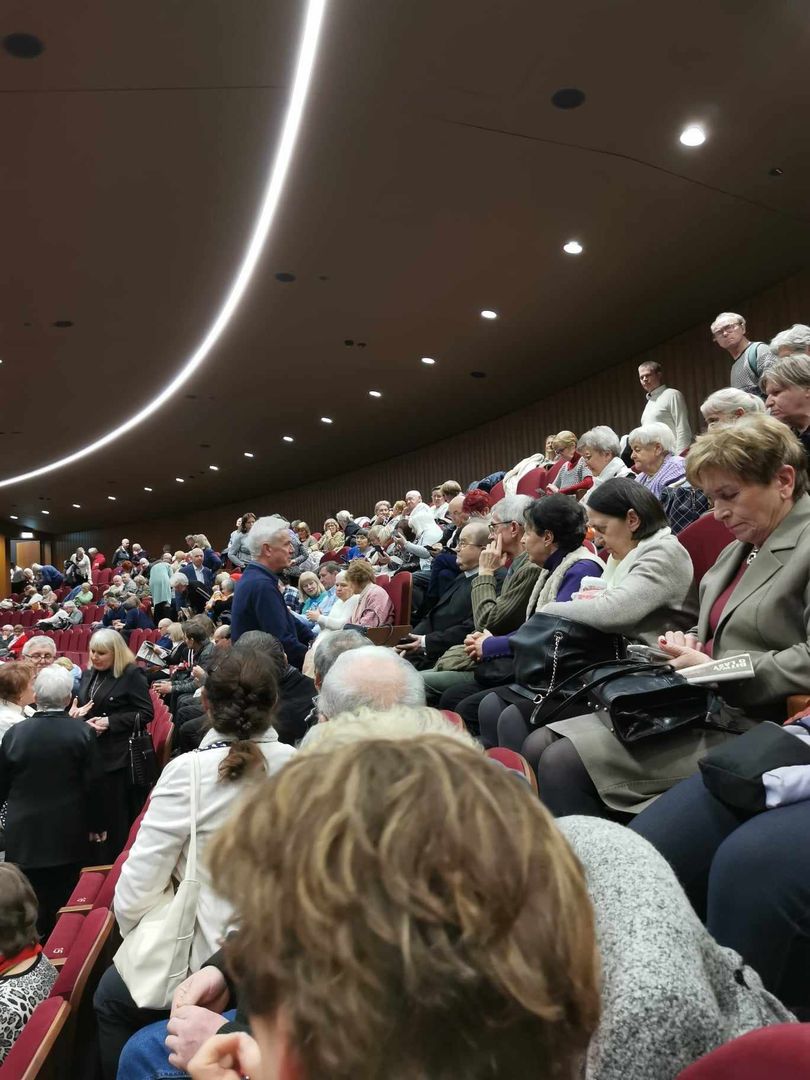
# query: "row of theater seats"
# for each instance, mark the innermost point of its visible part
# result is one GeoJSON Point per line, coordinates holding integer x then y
{"type": "Point", "coordinates": [57, 1041]}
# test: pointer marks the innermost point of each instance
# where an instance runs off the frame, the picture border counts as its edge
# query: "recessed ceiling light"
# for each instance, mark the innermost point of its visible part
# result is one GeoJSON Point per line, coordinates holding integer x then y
{"type": "Point", "coordinates": [248, 454]}
{"type": "Point", "coordinates": [179, 479]}
{"type": "Point", "coordinates": [488, 313]}
{"type": "Point", "coordinates": [573, 247]}
{"type": "Point", "coordinates": [13, 517]}
{"type": "Point", "coordinates": [214, 468]}
{"type": "Point", "coordinates": [374, 393]}
{"type": "Point", "coordinates": [77, 506]}
{"type": "Point", "coordinates": [26, 535]}
{"type": "Point", "coordinates": [428, 360]}
{"type": "Point", "coordinates": [147, 489]}
{"type": "Point", "coordinates": [47, 513]}
{"type": "Point", "coordinates": [326, 419]}
{"type": "Point", "coordinates": [111, 498]}
{"type": "Point", "coordinates": [693, 135]}
{"type": "Point", "coordinates": [287, 438]}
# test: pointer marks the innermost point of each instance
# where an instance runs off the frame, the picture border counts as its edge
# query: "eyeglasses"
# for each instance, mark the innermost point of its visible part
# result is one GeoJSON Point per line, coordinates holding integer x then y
{"type": "Point", "coordinates": [466, 543]}
{"type": "Point", "coordinates": [493, 525]}
{"type": "Point", "coordinates": [721, 331]}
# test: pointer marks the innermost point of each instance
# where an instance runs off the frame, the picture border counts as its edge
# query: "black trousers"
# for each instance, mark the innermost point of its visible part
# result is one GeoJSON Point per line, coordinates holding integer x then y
{"type": "Point", "coordinates": [161, 611]}
{"type": "Point", "coordinates": [118, 1019]}
{"type": "Point", "coordinates": [122, 804]}
{"type": "Point", "coordinates": [52, 885]}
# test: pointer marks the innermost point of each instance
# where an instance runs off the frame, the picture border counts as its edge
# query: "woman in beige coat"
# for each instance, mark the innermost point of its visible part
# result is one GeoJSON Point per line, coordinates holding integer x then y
{"type": "Point", "coordinates": [756, 599]}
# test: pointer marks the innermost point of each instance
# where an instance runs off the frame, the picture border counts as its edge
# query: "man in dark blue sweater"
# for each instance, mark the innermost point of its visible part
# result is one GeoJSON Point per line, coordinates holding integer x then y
{"type": "Point", "coordinates": [257, 600]}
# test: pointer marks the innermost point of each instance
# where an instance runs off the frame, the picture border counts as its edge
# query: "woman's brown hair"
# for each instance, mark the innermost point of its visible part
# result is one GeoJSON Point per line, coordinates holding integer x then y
{"type": "Point", "coordinates": [241, 691]}
{"type": "Point", "coordinates": [754, 450]}
{"type": "Point", "coordinates": [18, 911]}
{"type": "Point", "coordinates": [414, 910]}
{"type": "Point", "coordinates": [14, 677]}
{"type": "Point", "coordinates": [360, 572]}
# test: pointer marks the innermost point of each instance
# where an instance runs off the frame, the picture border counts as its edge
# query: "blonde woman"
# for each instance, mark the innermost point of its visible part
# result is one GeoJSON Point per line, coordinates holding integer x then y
{"type": "Point", "coordinates": [333, 538]}
{"type": "Point", "coordinates": [310, 590]}
{"type": "Point", "coordinates": [573, 477]}
{"type": "Point", "coordinates": [112, 692]}
{"type": "Point", "coordinates": [308, 541]}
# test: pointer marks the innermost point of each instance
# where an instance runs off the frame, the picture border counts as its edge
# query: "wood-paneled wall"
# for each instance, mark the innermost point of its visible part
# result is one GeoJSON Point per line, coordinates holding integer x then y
{"type": "Point", "coordinates": [691, 362]}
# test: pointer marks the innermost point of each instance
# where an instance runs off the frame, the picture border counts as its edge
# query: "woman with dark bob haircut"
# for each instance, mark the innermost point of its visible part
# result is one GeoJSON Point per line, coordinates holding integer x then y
{"type": "Point", "coordinates": [555, 532]}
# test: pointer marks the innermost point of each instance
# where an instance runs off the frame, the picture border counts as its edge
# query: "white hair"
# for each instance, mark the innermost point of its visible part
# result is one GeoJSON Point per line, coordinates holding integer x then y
{"type": "Point", "coordinates": [178, 579]}
{"type": "Point", "coordinates": [195, 551]}
{"type": "Point", "coordinates": [399, 722]}
{"type": "Point", "coordinates": [39, 642]}
{"type": "Point", "coordinates": [797, 338]}
{"type": "Point", "coordinates": [371, 677]}
{"type": "Point", "coordinates": [512, 508]}
{"type": "Point", "coordinates": [264, 530]}
{"type": "Point", "coordinates": [53, 687]}
{"type": "Point", "coordinates": [413, 494]}
{"type": "Point", "coordinates": [342, 516]}
{"type": "Point", "coordinates": [728, 400]}
{"type": "Point", "coordinates": [602, 439]}
{"type": "Point", "coordinates": [648, 434]}
{"type": "Point", "coordinates": [726, 316]}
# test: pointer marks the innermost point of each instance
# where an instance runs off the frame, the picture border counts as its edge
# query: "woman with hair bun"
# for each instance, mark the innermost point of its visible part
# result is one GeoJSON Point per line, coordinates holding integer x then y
{"type": "Point", "coordinates": [240, 696]}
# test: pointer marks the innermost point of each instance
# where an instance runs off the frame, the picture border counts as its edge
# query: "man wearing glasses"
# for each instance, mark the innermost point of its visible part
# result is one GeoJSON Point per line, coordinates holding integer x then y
{"type": "Point", "coordinates": [751, 358]}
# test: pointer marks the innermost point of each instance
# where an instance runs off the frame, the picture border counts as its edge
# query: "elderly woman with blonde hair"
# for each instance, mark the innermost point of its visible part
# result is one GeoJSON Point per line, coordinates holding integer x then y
{"type": "Point", "coordinates": [333, 538]}
{"type": "Point", "coordinates": [573, 477]}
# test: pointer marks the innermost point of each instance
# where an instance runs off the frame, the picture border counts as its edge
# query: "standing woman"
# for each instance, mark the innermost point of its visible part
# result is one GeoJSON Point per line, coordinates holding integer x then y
{"type": "Point", "coordinates": [238, 548]}
{"type": "Point", "coordinates": [159, 585]}
{"type": "Point", "coordinates": [111, 693]}
{"type": "Point", "coordinates": [83, 570]}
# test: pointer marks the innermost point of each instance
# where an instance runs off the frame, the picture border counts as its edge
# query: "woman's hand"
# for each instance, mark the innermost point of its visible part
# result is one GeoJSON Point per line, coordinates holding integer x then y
{"type": "Point", "coordinates": [491, 558]}
{"type": "Point", "coordinates": [81, 710]}
{"type": "Point", "coordinates": [226, 1057]}
{"type": "Point", "coordinates": [684, 649]}
{"type": "Point", "coordinates": [97, 837]}
{"type": "Point", "coordinates": [474, 644]}
{"type": "Point", "coordinates": [198, 673]}
{"type": "Point", "coordinates": [100, 724]}
{"type": "Point", "coordinates": [552, 489]}
{"type": "Point", "coordinates": [314, 615]}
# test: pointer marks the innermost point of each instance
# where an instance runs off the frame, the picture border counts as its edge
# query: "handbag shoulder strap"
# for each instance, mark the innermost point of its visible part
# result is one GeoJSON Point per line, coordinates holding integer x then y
{"type": "Point", "coordinates": [194, 792]}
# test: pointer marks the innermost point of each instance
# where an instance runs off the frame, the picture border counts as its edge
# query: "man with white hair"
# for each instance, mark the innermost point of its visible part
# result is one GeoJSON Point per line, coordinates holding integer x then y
{"type": "Point", "coordinates": [348, 525]}
{"type": "Point", "coordinates": [665, 405]}
{"type": "Point", "coordinates": [369, 678]}
{"type": "Point", "coordinates": [796, 339]}
{"type": "Point", "coordinates": [751, 358]}
{"type": "Point", "coordinates": [67, 615]}
{"type": "Point", "coordinates": [257, 600]}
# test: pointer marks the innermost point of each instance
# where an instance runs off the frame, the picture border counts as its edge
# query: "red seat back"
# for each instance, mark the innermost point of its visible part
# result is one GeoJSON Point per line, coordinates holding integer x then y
{"type": "Point", "coordinates": [533, 483]}
{"type": "Point", "coordinates": [33, 1052]}
{"type": "Point", "coordinates": [704, 539]}
{"type": "Point", "coordinates": [399, 588]}
{"type": "Point", "coordinates": [515, 762]}
{"type": "Point", "coordinates": [74, 976]}
{"type": "Point", "coordinates": [497, 492]}
{"type": "Point", "coordinates": [63, 936]}
{"type": "Point", "coordinates": [781, 1051]}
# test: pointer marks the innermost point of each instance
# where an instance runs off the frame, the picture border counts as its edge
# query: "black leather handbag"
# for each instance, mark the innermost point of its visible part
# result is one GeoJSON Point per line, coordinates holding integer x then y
{"type": "Point", "coordinates": [733, 771]}
{"type": "Point", "coordinates": [549, 649]}
{"type": "Point", "coordinates": [143, 769]}
{"type": "Point", "coordinates": [635, 699]}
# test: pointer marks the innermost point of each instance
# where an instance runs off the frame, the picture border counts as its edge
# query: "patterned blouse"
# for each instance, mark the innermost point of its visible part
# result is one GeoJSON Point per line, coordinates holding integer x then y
{"type": "Point", "coordinates": [19, 996]}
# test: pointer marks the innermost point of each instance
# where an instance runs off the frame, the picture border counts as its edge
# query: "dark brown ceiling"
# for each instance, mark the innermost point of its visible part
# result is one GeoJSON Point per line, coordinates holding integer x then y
{"type": "Point", "coordinates": [433, 178]}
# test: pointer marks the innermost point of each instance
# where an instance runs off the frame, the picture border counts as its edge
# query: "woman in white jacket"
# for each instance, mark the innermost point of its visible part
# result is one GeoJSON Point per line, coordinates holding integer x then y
{"type": "Point", "coordinates": [240, 694]}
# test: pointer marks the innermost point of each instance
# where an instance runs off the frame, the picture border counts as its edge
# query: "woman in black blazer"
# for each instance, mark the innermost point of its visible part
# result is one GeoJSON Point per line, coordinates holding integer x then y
{"type": "Point", "coordinates": [111, 693]}
{"type": "Point", "coordinates": [51, 773]}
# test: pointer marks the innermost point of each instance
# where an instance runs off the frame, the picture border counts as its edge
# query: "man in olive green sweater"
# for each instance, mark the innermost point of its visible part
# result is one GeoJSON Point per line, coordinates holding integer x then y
{"type": "Point", "coordinates": [499, 602]}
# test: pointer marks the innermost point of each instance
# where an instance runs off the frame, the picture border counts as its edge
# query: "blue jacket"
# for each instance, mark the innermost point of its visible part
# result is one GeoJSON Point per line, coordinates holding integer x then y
{"type": "Point", "coordinates": [51, 576]}
{"type": "Point", "coordinates": [137, 619]}
{"type": "Point", "coordinates": [259, 605]}
{"type": "Point", "coordinates": [208, 575]}
{"type": "Point", "coordinates": [211, 560]}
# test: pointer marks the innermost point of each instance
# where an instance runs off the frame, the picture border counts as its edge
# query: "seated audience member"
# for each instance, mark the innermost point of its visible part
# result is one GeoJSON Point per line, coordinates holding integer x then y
{"type": "Point", "coordinates": [48, 598]}
{"type": "Point", "coordinates": [653, 447]}
{"type": "Point", "coordinates": [796, 339]}
{"type": "Point", "coordinates": [135, 618]}
{"type": "Point", "coordinates": [786, 386]}
{"type": "Point", "coordinates": [40, 651]}
{"type": "Point", "coordinates": [238, 547]}
{"type": "Point", "coordinates": [47, 575]}
{"type": "Point", "coordinates": [348, 526]}
{"type": "Point", "coordinates": [241, 695]}
{"type": "Point", "coordinates": [573, 477]}
{"type": "Point", "coordinates": [601, 451]}
{"type": "Point", "coordinates": [426, 532]}
{"type": "Point", "coordinates": [84, 595]}
{"type": "Point", "coordinates": [67, 615]}
{"type": "Point", "coordinates": [21, 635]}
{"type": "Point", "coordinates": [369, 678]}
{"type": "Point", "coordinates": [6, 638]}
{"type": "Point", "coordinates": [219, 606]}
{"type": "Point", "coordinates": [327, 573]}
{"type": "Point", "coordinates": [477, 505]}
{"type": "Point", "coordinates": [332, 538]}
{"type": "Point", "coordinates": [257, 602]}
{"type": "Point", "coordinates": [26, 976]}
{"type": "Point", "coordinates": [210, 558]}
{"type": "Point", "coordinates": [112, 692]}
{"type": "Point", "coordinates": [374, 607]}
{"type": "Point", "coordinates": [555, 528]}
{"type": "Point", "coordinates": [728, 405]}
{"type": "Point", "coordinates": [361, 548]}
{"type": "Point", "coordinates": [664, 404]}
{"type": "Point", "coordinates": [670, 993]}
{"type": "Point", "coordinates": [305, 537]}
{"type": "Point", "coordinates": [341, 612]}
{"type": "Point", "coordinates": [198, 633]}
{"type": "Point", "coordinates": [437, 503]}
{"type": "Point", "coordinates": [310, 591]}
{"type": "Point", "coordinates": [450, 620]}
{"type": "Point", "coordinates": [16, 692]}
{"type": "Point", "coordinates": [755, 472]}
{"type": "Point", "coordinates": [646, 585]}
{"type": "Point", "coordinates": [751, 358]}
{"type": "Point", "coordinates": [422, 968]}
{"type": "Point", "coordinates": [493, 612]}
{"type": "Point", "coordinates": [113, 617]}
{"type": "Point", "coordinates": [121, 554]}
{"type": "Point", "coordinates": [50, 777]}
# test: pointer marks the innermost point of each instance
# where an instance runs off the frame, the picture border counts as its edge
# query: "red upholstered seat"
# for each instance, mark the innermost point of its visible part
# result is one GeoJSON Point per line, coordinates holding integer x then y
{"type": "Point", "coordinates": [107, 892]}
{"type": "Point", "coordinates": [90, 613]}
{"type": "Point", "coordinates": [533, 483]}
{"type": "Point", "coordinates": [514, 761]}
{"type": "Point", "coordinates": [85, 892]}
{"type": "Point", "coordinates": [136, 639]}
{"type": "Point", "coordinates": [57, 947]}
{"type": "Point", "coordinates": [74, 976]}
{"type": "Point", "coordinates": [704, 539]}
{"type": "Point", "coordinates": [496, 493]}
{"type": "Point", "coordinates": [453, 718]}
{"type": "Point", "coordinates": [781, 1052]}
{"type": "Point", "coordinates": [399, 588]}
{"type": "Point", "coordinates": [35, 1052]}
{"type": "Point", "coordinates": [104, 577]}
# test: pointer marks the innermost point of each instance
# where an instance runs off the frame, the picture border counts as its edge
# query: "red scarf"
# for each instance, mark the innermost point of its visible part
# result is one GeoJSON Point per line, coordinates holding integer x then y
{"type": "Point", "coordinates": [10, 962]}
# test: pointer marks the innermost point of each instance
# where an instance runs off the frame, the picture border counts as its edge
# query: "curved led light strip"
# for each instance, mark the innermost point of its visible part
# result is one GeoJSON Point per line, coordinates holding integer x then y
{"type": "Point", "coordinates": [278, 174]}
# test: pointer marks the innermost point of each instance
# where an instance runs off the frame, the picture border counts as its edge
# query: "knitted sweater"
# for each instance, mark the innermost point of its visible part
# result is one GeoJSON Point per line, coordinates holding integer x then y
{"type": "Point", "coordinates": [670, 993]}
{"type": "Point", "coordinates": [506, 611]}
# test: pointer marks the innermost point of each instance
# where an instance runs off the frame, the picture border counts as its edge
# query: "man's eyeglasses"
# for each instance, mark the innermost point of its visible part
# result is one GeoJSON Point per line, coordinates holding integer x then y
{"type": "Point", "coordinates": [493, 525]}
{"type": "Point", "coordinates": [466, 543]}
{"type": "Point", "coordinates": [721, 331]}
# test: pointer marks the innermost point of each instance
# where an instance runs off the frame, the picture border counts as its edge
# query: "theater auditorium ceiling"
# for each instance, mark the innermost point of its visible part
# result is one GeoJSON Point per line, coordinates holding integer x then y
{"type": "Point", "coordinates": [435, 176]}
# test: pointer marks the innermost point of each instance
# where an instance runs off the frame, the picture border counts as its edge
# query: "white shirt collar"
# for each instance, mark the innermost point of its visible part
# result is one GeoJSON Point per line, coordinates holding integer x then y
{"type": "Point", "coordinates": [657, 392]}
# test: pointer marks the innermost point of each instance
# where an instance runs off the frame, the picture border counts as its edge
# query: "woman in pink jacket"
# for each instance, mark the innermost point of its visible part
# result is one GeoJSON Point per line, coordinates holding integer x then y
{"type": "Point", "coordinates": [374, 607]}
